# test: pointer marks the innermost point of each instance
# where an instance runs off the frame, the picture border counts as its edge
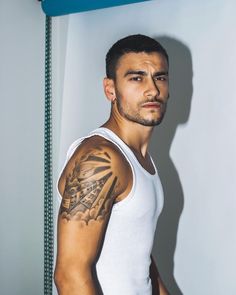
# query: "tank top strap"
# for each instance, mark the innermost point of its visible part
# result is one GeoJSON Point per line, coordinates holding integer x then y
{"type": "Point", "coordinates": [112, 137]}
{"type": "Point", "coordinates": [125, 149]}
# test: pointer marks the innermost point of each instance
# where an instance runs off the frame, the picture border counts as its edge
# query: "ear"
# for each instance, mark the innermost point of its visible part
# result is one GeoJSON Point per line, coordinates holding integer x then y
{"type": "Point", "coordinates": [109, 89]}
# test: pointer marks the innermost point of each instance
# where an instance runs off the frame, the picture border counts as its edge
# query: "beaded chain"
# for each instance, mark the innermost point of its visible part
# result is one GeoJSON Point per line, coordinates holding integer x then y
{"type": "Point", "coordinates": [48, 181]}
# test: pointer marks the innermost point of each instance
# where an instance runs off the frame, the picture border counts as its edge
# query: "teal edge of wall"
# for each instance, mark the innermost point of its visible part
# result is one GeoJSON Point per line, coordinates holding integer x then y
{"type": "Point", "coordinates": [62, 7]}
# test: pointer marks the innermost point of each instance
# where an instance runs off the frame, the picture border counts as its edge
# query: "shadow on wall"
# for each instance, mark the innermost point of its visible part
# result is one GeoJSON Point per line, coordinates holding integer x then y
{"type": "Point", "coordinates": [178, 110]}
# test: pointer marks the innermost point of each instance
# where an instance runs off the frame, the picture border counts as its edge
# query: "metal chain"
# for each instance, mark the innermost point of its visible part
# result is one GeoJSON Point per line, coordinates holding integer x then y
{"type": "Point", "coordinates": [48, 182]}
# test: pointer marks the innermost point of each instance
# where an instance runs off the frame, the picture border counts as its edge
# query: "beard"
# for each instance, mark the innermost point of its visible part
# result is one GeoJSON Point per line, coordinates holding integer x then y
{"type": "Point", "coordinates": [136, 116]}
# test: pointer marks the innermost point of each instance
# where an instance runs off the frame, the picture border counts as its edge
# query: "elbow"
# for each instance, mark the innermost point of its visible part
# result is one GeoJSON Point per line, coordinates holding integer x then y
{"type": "Point", "coordinates": [64, 280]}
{"type": "Point", "coordinates": [59, 279]}
{"type": "Point", "coordinates": [70, 278]}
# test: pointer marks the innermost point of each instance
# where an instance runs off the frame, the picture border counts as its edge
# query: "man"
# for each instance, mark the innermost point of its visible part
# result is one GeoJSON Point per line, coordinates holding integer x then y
{"type": "Point", "coordinates": [111, 192]}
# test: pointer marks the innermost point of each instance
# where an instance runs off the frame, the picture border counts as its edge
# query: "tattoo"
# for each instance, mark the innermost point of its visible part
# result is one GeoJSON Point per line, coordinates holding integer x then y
{"type": "Point", "coordinates": [90, 188]}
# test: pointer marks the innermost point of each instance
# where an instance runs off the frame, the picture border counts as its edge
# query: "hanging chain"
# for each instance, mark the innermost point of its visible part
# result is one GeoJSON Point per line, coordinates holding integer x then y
{"type": "Point", "coordinates": [48, 183]}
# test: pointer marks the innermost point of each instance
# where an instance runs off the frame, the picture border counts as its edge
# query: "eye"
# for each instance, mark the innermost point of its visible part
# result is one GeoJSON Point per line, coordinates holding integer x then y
{"type": "Point", "coordinates": [161, 78]}
{"type": "Point", "coordinates": [136, 78]}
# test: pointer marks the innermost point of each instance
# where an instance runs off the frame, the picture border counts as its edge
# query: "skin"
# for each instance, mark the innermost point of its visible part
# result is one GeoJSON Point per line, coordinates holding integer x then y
{"type": "Point", "coordinates": [139, 93]}
{"type": "Point", "coordinates": [98, 175]}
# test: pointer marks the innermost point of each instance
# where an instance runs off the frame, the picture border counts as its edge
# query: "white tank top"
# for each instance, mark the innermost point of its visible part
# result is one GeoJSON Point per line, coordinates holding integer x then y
{"type": "Point", "coordinates": [123, 265]}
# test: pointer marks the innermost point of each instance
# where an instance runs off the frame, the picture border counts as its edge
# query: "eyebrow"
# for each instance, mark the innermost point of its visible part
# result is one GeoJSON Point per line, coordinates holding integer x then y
{"type": "Point", "coordinates": [143, 73]}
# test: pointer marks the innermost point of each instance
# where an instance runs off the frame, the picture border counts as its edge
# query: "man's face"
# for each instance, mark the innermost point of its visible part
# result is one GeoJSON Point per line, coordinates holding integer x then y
{"type": "Point", "coordinates": [142, 87]}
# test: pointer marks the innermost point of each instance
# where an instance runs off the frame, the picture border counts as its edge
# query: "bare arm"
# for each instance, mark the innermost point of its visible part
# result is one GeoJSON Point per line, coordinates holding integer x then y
{"type": "Point", "coordinates": [158, 287]}
{"type": "Point", "coordinates": [91, 186]}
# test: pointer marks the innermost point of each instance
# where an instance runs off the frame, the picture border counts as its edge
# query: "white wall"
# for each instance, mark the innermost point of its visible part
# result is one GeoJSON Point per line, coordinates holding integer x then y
{"type": "Point", "coordinates": [21, 149]}
{"type": "Point", "coordinates": [195, 146]}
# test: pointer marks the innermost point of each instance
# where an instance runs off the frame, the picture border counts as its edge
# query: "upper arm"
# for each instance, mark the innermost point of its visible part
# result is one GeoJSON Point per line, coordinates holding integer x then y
{"type": "Point", "coordinates": [93, 178]}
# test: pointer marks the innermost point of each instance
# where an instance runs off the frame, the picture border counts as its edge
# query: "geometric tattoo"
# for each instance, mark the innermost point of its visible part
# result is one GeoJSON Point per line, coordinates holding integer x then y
{"type": "Point", "coordinates": [90, 189]}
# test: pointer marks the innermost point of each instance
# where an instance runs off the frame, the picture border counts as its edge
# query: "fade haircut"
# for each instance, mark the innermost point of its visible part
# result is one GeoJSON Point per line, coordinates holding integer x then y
{"type": "Point", "coordinates": [133, 43]}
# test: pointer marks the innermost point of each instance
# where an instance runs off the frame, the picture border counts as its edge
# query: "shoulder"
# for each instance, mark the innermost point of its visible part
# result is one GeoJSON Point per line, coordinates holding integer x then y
{"type": "Point", "coordinates": [97, 158]}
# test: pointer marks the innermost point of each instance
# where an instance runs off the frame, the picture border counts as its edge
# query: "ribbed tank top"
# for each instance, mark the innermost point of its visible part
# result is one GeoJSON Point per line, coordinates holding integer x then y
{"type": "Point", "coordinates": [123, 265]}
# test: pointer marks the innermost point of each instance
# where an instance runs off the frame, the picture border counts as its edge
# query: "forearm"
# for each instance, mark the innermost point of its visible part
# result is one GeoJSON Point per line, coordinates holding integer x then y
{"type": "Point", "coordinates": [75, 284]}
{"type": "Point", "coordinates": [158, 288]}
{"type": "Point", "coordinates": [154, 275]}
{"type": "Point", "coordinates": [162, 288]}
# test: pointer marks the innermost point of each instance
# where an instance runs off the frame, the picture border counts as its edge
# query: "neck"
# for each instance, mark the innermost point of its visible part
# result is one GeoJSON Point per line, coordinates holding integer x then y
{"type": "Point", "coordinates": [135, 135]}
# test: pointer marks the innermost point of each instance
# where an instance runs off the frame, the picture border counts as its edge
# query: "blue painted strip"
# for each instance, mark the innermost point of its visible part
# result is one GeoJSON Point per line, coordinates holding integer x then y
{"type": "Point", "coordinates": [62, 7]}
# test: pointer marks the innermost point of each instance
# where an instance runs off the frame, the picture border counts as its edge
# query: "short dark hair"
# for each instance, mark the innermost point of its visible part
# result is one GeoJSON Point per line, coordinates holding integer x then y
{"type": "Point", "coordinates": [133, 43]}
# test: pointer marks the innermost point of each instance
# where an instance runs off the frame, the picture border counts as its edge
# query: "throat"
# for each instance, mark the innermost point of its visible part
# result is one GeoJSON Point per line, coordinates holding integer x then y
{"type": "Point", "coordinates": [145, 162]}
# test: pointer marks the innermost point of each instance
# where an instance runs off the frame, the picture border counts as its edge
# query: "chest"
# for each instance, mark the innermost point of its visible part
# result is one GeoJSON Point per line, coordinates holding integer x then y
{"type": "Point", "coordinates": [145, 201]}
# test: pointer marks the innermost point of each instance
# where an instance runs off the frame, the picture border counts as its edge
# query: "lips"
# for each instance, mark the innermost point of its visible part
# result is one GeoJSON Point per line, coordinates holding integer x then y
{"type": "Point", "coordinates": [151, 105]}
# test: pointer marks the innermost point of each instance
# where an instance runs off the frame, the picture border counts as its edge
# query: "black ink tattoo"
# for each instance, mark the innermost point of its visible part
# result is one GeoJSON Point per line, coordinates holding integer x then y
{"type": "Point", "coordinates": [90, 189]}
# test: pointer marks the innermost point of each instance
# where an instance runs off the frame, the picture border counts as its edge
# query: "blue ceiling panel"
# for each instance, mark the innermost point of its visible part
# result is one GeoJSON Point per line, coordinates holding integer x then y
{"type": "Point", "coordinates": [62, 7]}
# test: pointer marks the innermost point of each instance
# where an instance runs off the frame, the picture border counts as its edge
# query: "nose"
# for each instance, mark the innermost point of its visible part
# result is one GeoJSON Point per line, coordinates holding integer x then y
{"type": "Point", "coordinates": [152, 89]}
